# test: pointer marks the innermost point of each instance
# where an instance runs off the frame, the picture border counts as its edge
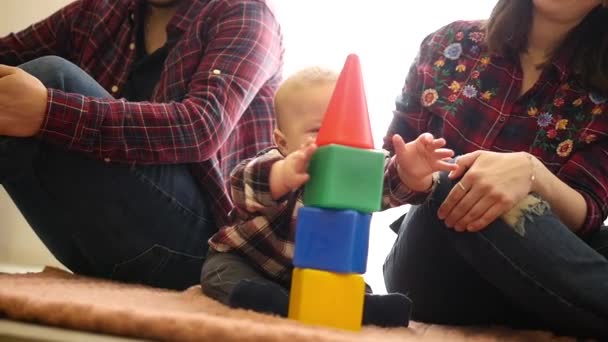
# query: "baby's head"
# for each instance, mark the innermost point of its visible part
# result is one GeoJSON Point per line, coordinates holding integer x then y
{"type": "Point", "coordinates": [300, 104]}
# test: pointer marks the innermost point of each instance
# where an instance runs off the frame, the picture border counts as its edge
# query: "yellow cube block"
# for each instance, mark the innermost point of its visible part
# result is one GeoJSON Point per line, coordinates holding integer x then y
{"type": "Point", "coordinates": [328, 299]}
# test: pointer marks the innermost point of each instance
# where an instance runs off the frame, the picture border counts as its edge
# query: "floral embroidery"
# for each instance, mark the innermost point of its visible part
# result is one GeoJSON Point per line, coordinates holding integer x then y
{"type": "Point", "coordinates": [597, 98]}
{"type": "Point", "coordinates": [562, 131]}
{"type": "Point", "coordinates": [477, 37]}
{"type": "Point", "coordinates": [453, 51]}
{"type": "Point", "coordinates": [564, 148]}
{"type": "Point", "coordinates": [455, 86]}
{"type": "Point", "coordinates": [587, 138]}
{"type": "Point", "coordinates": [487, 95]}
{"type": "Point", "coordinates": [561, 124]}
{"type": "Point", "coordinates": [544, 119]}
{"type": "Point", "coordinates": [532, 111]}
{"type": "Point", "coordinates": [469, 91]}
{"type": "Point", "coordinates": [458, 76]}
{"type": "Point", "coordinates": [429, 97]}
{"type": "Point", "coordinates": [450, 71]}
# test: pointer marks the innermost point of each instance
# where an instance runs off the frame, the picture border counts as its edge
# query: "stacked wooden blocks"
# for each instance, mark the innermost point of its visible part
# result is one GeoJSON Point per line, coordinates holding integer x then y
{"type": "Point", "coordinates": [332, 233]}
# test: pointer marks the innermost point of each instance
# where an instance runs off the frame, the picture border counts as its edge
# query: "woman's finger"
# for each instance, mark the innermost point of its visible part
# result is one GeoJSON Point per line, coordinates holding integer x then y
{"type": "Point", "coordinates": [471, 197]}
{"type": "Point", "coordinates": [488, 217]}
{"type": "Point", "coordinates": [476, 212]}
{"type": "Point", "coordinates": [451, 200]}
{"type": "Point", "coordinates": [464, 162]}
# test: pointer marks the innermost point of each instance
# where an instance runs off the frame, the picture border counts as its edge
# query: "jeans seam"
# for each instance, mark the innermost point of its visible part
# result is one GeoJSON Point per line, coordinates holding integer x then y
{"type": "Point", "coordinates": [526, 274]}
{"type": "Point", "coordinates": [173, 200]}
{"type": "Point", "coordinates": [601, 248]}
{"type": "Point", "coordinates": [120, 264]}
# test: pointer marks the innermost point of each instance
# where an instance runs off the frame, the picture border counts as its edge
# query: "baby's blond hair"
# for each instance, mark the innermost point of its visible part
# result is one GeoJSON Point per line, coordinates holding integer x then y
{"type": "Point", "coordinates": [306, 77]}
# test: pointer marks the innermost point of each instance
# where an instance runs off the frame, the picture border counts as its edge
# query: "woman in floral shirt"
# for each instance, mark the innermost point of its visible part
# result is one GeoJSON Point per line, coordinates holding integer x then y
{"type": "Point", "coordinates": [514, 235]}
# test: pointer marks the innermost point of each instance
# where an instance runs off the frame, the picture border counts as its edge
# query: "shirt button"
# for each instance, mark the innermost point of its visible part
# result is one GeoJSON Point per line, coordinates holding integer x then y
{"type": "Point", "coordinates": [106, 159]}
{"type": "Point", "coordinates": [132, 16]}
{"type": "Point", "coordinates": [114, 89]}
{"type": "Point", "coordinates": [216, 71]}
{"type": "Point", "coordinates": [501, 119]}
{"type": "Point", "coordinates": [132, 46]}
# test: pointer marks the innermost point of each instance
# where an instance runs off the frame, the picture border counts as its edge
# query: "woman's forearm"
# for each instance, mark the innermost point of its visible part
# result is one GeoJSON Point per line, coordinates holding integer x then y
{"type": "Point", "coordinates": [567, 203]}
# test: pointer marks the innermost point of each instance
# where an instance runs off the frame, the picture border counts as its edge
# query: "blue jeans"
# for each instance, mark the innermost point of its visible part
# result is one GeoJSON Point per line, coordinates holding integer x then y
{"type": "Point", "coordinates": [543, 277]}
{"type": "Point", "coordinates": [144, 224]}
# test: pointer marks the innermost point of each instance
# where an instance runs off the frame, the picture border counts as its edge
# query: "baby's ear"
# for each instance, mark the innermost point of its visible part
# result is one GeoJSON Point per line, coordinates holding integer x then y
{"type": "Point", "coordinates": [280, 141]}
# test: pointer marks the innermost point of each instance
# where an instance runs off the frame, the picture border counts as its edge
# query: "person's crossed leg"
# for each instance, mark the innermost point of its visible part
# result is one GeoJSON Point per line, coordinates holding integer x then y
{"type": "Point", "coordinates": [145, 224]}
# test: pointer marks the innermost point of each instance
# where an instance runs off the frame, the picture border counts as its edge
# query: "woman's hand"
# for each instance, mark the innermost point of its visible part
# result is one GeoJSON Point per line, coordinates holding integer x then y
{"type": "Point", "coordinates": [419, 159]}
{"type": "Point", "coordinates": [492, 184]}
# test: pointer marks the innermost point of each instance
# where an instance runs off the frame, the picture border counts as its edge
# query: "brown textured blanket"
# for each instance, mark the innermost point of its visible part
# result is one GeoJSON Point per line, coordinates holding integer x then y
{"type": "Point", "coordinates": [57, 298]}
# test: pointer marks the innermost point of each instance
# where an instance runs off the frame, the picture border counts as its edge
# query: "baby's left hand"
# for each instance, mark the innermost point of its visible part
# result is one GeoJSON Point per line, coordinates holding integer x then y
{"type": "Point", "coordinates": [419, 159]}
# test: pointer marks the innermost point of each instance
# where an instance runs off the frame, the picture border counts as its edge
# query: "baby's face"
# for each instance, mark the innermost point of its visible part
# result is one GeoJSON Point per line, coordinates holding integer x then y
{"type": "Point", "coordinates": [304, 114]}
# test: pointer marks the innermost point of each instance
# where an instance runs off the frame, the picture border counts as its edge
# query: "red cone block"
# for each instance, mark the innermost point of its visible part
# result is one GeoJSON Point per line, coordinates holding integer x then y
{"type": "Point", "coordinates": [346, 121]}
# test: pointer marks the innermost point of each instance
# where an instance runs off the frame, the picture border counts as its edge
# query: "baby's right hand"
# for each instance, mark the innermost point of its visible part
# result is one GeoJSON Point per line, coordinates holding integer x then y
{"type": "Point", "coordinates": [292, 172]}
{"type": "Point", "coordinates": [295, 167]}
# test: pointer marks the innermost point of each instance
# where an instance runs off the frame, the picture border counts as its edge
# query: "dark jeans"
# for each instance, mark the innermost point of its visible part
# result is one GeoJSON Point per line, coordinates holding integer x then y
{"type": "Point", "coordinates": [223, 271]}
{"type": "Point", "coordinates": [546, 278]}
{"type": "Point", "coordinates": [144, 224]}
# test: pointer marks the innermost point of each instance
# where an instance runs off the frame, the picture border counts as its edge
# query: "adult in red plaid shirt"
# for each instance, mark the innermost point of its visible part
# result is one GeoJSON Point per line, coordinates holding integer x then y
{"type": "Point", "coordinates": [514, 236]}
{"type": "Point", "coordinates": [121, 120]}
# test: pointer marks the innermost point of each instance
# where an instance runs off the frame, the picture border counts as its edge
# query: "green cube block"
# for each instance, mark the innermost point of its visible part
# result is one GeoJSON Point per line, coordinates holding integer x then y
{"type": "Point", "coordinates": [344, 177]}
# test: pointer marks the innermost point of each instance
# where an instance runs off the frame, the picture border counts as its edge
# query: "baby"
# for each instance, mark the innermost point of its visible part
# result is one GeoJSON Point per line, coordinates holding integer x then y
{"type": "Point", "coordinates": [250, 262]}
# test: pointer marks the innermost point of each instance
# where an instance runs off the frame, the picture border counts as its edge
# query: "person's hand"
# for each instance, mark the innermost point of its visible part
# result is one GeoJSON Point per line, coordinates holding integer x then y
{"type": "Point", "coordinates": [419, 159]}
{"type": "Point", "coordinates": [292, 172]}
{"type": "Point", "coordinates": [492, 184]}
{"type": "Point", "coordinates": [23, 101]}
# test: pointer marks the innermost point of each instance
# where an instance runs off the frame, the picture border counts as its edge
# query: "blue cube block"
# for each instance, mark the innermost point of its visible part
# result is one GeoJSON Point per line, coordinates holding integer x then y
{"type": "Point", "coordinates": [332, 240]}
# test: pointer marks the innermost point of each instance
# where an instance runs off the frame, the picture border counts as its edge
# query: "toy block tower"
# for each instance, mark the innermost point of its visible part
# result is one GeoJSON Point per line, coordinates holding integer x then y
{"type": "Point", "coordinates": [332, 232]}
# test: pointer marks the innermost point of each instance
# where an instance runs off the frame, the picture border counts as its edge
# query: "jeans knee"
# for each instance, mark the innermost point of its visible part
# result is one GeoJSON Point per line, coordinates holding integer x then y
{"type": "Point", "coordinates": [527, 209]}
{"type": "Point", "coordinates": [50, 70]}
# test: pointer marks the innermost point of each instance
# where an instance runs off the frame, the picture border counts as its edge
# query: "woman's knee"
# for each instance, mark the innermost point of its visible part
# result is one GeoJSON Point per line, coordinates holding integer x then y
{"type": "Point", "coordinates": [50, 70]}
{"type": "Point", "coordinates": [58, 73]}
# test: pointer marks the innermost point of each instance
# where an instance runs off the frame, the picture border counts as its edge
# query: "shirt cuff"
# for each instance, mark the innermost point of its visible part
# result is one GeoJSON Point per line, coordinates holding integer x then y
{"type": "Point", "coordinates": [68, 122]}
{"type": "Point", "coordinates": [593, 219]}
{"type": "Point", "coordinates": [398, 193]}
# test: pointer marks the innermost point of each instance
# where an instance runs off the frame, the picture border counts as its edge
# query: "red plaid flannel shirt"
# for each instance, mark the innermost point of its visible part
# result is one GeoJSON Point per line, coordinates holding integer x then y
{"type": "Point", "coordinates": [456, 89]}
{"type": "Point", "coordinates": [211, 108]}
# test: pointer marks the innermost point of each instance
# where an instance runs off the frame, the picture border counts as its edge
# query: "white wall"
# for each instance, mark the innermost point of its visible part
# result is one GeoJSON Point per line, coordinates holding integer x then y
{"type": "Point", "coordinates": [386, 34]}
{"type": "Point", "coordinates": [18, 243]}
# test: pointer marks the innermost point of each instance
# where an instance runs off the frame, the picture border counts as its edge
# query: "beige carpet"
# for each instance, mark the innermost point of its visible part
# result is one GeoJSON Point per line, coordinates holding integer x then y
{"type": "Point", "coordinates": [56, 298]}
